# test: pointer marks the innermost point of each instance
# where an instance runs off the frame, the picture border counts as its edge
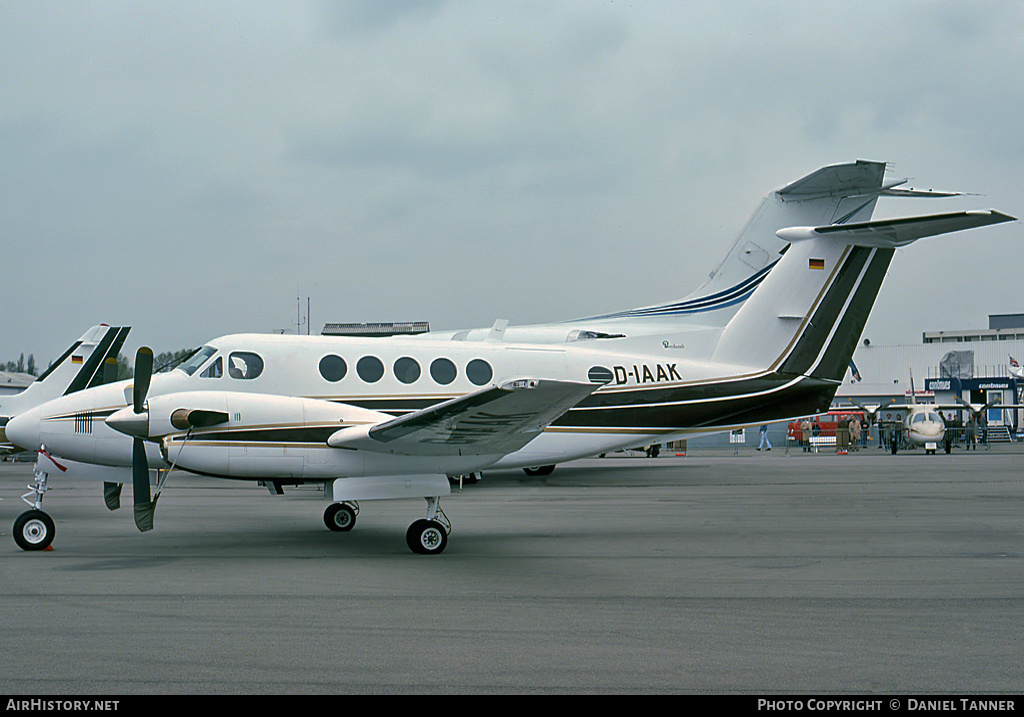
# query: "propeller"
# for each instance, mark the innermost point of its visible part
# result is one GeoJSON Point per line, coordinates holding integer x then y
{"type": "Point", "coordinates": [872, 412]}
{"type": "Point", "coordinates": [977, 410]}
{"type": "Point", "coordinates": [134, 421]}
{"type": "Point", "coordinates": [144, 507]}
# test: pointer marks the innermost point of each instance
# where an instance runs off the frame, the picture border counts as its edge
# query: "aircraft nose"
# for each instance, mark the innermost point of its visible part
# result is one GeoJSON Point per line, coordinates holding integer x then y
{"type": "Point", "coordinates": [23, 431]}
{"type": "Point", "coordinates": [130, 423]}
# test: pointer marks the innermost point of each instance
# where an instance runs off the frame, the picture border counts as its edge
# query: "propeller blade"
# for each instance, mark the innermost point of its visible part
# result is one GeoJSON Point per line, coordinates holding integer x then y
{"type": "Point", "coordinates": [144, 507]}
{"type": "Point", "coordinates": [110, 370]}
{"type": "Point", "coordinates": [144, 515]}
{"type": "Point", "coordinates": [970, 406]}
{"type": "Point", "coordinates": [112, 495]}
{"type": "Point", "coordinates": [143, 374]}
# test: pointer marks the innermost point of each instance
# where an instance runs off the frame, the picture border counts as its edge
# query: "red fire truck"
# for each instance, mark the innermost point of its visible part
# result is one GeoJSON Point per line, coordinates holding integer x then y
{"type": "Point", "coordinates": [826, 423]}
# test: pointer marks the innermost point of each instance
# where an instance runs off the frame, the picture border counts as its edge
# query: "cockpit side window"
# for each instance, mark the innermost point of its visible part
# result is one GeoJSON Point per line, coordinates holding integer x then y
{"type": "Point", "coordinates": [244, 365]}
{"type": "Point", "coordinates": [197, 360]}
{"type": "Point", "coordinates": [214, 370]}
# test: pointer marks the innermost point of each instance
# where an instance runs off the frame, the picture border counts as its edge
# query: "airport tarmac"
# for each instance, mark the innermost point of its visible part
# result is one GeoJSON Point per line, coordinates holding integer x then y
{"type": "Point", "coordinates": [754, 574]}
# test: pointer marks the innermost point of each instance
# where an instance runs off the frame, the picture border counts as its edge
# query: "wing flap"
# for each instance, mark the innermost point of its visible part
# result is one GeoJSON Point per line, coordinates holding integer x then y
{"type": "Point", "coordinates": [891, 233]}
{"type": "Point", "coordinates": [492, 421]}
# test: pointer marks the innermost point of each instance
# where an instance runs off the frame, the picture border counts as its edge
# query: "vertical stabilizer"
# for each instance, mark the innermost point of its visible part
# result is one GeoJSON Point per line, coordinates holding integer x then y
{"type": "Point", "coordinates": [835, 194]}
{"type": "Point", "coordinates": [79, 367]}
{"type": "Point", "coordinates": [808, 314]}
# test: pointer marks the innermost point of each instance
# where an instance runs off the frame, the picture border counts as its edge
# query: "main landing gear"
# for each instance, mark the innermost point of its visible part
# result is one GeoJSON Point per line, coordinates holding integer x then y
{"type": "Point", "coordinates": [34, 529]}
{"type": "Point", "coordinates": [341, 517]}
{"type": "Point", "coordinates": [426, 536]}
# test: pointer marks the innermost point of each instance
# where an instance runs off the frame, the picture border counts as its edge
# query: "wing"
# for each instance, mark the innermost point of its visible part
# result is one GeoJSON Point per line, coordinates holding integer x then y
{"type": "Point", "coordinates": [492, 421]}
{"type": "Point", "coordinates": [898, 232]}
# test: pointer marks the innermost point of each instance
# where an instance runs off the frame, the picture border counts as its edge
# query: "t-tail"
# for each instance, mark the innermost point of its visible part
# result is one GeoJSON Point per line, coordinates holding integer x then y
{"type": "Point", "coordinates": [90, 361]}
{"type": "Point", "coordinates": [838, 194]}
{"type": "Point", "coordinates": [808, 314]}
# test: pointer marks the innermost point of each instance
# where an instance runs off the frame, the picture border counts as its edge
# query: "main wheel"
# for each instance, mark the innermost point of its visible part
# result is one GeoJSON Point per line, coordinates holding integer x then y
{"type": "Point", "coordinates": [539, 470]}
{"type": "Point", "coordinates": [33, 530]}
{"type": "Point", "coordinates": [426, 537]}
{"type": "Point", "coordinates": [339, 517]}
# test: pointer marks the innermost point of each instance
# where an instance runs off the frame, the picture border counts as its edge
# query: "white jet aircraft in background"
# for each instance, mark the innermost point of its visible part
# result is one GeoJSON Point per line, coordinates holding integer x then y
{"type": "Point", "coordinates": [377, 418]}
{"type": "Point", "coordinates": [90, 361]}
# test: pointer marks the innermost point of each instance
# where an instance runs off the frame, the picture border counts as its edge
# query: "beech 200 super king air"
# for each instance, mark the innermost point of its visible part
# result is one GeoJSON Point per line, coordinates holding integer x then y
{"type": "Point", "coordinates": [90, 361]}
{"type": "Point", "coordinates": [378, 418]}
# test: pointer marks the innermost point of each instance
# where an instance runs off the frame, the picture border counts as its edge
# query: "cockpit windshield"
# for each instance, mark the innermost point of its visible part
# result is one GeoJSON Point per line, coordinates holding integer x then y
{"type": "Point", "coordinates": [193, 364]}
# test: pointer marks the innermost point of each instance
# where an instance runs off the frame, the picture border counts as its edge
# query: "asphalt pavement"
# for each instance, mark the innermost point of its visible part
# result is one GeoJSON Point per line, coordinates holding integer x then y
{"type": "Point", "coordinates": [751, 573]}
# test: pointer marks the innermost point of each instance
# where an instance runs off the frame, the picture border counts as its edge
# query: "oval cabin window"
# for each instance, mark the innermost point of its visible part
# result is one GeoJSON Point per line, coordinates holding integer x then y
{"type": "Point", "coordinates": [333, 368]}
{"type": "Point", "coordinates": [370, 369]}
{"type": "Point", "coordinates": [443, 371]}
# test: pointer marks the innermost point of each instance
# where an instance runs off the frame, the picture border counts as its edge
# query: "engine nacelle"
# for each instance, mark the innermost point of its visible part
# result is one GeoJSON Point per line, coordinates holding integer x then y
{"type": "Point", "coordinates": [243, 435]}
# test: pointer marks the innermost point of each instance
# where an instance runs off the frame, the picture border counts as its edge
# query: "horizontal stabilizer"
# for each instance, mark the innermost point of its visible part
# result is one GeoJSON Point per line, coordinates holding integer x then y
{"type": "Point", "coordinates": [492, 421]}
{"type": "Point", "coordinates": [918, 193]}
{"type": "Point", "coordinates": [892, 233]}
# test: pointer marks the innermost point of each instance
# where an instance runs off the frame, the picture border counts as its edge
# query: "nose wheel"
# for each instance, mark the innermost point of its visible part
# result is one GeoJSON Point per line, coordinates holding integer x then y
{"type": "Point", "coordinates": [33, 530]}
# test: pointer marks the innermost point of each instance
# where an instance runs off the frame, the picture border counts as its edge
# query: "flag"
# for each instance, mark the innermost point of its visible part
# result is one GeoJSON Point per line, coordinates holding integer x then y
{"type": "Point", "coordinates": [1013, 362]}
{"type": "Point", "coordinates": [815, 263]}
{"type": "Point", "coordinates": [854, 371]}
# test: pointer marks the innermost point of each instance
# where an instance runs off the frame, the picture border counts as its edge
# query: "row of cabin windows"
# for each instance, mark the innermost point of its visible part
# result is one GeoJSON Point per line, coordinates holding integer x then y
{"type": "Point", "coordinates": [247, 365]}
{"type": "Point", "coordinates": [406, 369]}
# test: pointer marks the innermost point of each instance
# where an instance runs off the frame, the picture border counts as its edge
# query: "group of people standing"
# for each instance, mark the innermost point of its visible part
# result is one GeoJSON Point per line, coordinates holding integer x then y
{"type": "Point", "coordinates": [851, 433]}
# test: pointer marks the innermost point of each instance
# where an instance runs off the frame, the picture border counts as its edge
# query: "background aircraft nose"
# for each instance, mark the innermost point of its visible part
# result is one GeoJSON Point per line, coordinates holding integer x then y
{"type": "Point", "coordinates": [23, 431]}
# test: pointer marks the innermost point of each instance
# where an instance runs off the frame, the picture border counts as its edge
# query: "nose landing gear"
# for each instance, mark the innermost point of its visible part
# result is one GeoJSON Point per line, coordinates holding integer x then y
{"type": "Point", "coordinates": [34, 529]}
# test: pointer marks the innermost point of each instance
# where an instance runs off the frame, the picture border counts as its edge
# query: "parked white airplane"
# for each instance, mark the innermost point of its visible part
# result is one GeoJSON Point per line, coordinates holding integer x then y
{"type": "Point", "coordinates": [835, 194]}
{"type": "Point", "coordinates": [393, 417]}
{"type": "Point", "coordinates": [923, 425]}
{"type": "Point", "coordinates": [88, 362]}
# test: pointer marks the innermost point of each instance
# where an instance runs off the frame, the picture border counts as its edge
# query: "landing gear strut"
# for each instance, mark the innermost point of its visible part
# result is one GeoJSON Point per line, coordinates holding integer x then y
{"type": "Point", "coordinates": [426, 536]}
{"type": "Point", "coordinates": [429, 536]}
{"type": "Point", "coordinates": [34, 529]}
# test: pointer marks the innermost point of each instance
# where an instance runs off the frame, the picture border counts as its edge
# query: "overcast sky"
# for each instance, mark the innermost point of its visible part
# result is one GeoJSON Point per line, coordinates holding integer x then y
{"type": "Point", "coordinates": [190, 169]}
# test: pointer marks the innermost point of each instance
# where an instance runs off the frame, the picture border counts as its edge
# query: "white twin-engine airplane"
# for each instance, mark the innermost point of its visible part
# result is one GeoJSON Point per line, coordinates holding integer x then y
{"type": "Point", "coordinates": [379, 418]}
{"type": "Point", "coordinates": [923, 425]}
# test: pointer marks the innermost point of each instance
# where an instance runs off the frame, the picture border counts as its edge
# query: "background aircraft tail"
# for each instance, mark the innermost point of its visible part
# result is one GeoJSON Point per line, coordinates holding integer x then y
{"type": "Point", "coordinates": [86, 363]}
{"type": "Point", "coordinates": [835, 194]}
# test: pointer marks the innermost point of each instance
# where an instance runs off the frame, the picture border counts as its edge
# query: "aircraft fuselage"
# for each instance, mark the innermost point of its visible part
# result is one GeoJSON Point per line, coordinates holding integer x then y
{"type": "Point", "coordinates": [286, 394]}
